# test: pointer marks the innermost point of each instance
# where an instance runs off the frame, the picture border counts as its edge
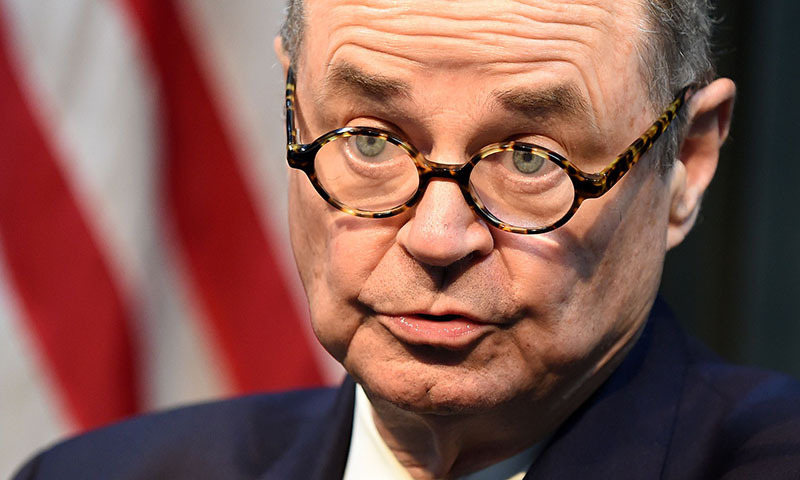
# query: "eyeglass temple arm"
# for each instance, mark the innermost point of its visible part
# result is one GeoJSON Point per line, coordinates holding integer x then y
{"type": "Point", "coordinates": [627, 159]}
{"type": "Point", "coordinates": [291, 131]}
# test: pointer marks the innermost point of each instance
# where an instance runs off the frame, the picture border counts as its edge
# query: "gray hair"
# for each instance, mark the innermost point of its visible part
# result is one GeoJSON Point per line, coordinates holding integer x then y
{"type": "Point", "coordinates": [294, 24]}
{"type": "Point", "coordinates": [676, 53]}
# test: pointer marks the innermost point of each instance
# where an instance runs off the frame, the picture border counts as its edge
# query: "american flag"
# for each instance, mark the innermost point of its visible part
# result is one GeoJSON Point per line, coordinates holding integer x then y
{"type": "Point", "coordinates": [144, 257]}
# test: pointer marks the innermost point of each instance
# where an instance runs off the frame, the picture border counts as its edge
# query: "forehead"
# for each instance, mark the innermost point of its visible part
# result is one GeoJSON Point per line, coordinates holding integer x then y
{"type": "Point", "coordinates": [496, 27]}
{"type": "Point", "coordinates": [493, 36]}
{"type": "Point", "coordinates": [589, 44]}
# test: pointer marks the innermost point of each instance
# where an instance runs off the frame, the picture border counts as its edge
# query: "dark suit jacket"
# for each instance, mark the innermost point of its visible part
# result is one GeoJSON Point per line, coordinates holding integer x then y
{"type": "Point", "coordinates": [672, 410]}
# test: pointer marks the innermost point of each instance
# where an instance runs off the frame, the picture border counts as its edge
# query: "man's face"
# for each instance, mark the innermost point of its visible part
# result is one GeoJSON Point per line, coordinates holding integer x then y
{"type": "Point", "coordinates": [434, 310]}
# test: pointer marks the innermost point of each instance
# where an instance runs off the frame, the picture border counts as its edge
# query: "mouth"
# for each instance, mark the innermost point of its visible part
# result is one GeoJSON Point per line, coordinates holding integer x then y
{"type": "Point", "coordinates": [451, 331]}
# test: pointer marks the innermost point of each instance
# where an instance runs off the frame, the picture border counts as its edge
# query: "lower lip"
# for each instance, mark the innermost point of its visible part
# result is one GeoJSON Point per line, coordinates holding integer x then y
{"type": "Point", "coordinates": [453, 334]}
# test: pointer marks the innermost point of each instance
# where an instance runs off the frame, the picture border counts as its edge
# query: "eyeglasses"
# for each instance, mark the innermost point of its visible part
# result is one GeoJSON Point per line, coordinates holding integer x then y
{"type": "Point", "coordinates": [515, 186]}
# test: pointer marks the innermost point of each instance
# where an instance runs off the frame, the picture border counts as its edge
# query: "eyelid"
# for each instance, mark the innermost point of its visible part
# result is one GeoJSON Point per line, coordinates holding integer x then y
{"type": "Point", "coordinates": [542, 141]}
{"type": "Point", "coordinates": [373, 122]}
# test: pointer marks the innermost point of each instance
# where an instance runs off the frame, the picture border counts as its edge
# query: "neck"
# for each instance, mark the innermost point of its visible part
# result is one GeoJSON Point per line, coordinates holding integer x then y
{"type": "Point", "coordinates": [447, 446]}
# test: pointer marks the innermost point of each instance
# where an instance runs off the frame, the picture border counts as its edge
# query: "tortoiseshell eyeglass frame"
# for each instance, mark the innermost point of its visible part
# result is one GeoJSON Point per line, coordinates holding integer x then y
{"type": "Point", "coordinates": [586, 185]}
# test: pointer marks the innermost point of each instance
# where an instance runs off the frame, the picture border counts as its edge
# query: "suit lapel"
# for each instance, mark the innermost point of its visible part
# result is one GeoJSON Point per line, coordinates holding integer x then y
{"type": "Point", "coordinates": [320, 450]}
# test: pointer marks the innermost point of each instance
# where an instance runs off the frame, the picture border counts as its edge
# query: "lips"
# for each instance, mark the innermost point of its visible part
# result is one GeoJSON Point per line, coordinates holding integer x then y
{"type": "Point", "coordinates": [446, 331]}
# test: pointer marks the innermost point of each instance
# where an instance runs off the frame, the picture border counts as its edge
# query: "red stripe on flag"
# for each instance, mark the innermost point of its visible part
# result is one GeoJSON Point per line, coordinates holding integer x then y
{"type": "Point", "coordinates": [230, 256]}
{"type": "Point", "coordinates": [69, 299]}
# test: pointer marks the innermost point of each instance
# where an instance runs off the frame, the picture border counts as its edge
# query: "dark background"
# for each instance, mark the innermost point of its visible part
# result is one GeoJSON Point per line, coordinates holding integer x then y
{"type": "Point", "coordinates": [735, 281]}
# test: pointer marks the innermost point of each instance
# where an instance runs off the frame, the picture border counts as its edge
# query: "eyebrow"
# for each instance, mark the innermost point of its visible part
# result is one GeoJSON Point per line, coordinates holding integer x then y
{"type": "Point", "coordinates": [562, 101]}
{"type": "Point", "coordinates": [347, 77]}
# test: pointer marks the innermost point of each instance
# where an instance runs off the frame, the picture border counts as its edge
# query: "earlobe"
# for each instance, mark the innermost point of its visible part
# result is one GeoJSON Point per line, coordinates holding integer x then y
{"type": "Point", "coordinates": [277, 45]}
{"type": "Point", "coordinates": [683, 207]}
{"type": "Point", "coordinates": [710, 111]}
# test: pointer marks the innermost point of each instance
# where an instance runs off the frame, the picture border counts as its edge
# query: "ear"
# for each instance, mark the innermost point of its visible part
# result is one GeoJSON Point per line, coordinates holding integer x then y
{"type": "Point", "coordinates": [710, 111]}
{"type": "Point", "coordinates": [277, 44]}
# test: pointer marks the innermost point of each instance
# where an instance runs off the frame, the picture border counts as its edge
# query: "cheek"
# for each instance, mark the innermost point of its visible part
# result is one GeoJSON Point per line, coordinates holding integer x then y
{"type": "Point", "coordinates": [356, 246]}
{"type": "Point", "coordinates": [588, 285]}
{"type": "Point", "coordinates": [308, 217]}
{"type": "Point", "coordinates": [553, 271]}
{"type": "Point", "coordinates": [626, 240]}
{"type": "Point", "coordinates": [335, 254]}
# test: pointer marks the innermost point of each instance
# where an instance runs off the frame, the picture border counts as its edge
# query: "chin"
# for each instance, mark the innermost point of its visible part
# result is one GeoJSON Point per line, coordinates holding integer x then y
{"type": "Point", "coordinates": [436, 389]}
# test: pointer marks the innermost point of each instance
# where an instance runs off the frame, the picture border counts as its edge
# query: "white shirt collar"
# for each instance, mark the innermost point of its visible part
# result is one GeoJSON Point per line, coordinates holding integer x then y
{"type": "Point", "coordinates": [369, 456]}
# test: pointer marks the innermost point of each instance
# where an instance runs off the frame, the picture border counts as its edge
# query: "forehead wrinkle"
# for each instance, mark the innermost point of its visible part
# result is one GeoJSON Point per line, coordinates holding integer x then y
{"type": "Point", "coordinates": [457, 48]}
{"type": "Point", "coordinates": [471, 15]}
{"type": "Point", "coordinates": [562, 101]}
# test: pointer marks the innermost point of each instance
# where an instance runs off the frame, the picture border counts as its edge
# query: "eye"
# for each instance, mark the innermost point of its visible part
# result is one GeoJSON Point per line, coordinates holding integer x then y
{"type": "Point", "coordinates": [370, 146]}
{"type": "Point", "coordinates": [527, 162]}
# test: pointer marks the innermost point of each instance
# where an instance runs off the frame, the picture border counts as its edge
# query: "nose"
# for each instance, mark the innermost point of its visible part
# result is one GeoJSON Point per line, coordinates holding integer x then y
{"type": "Point", "coordinates": [443, 228]}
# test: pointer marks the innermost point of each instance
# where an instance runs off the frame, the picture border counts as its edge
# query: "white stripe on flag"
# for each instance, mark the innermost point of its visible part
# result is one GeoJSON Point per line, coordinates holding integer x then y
{"type": "Point", "coordinates": [182, 363]}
